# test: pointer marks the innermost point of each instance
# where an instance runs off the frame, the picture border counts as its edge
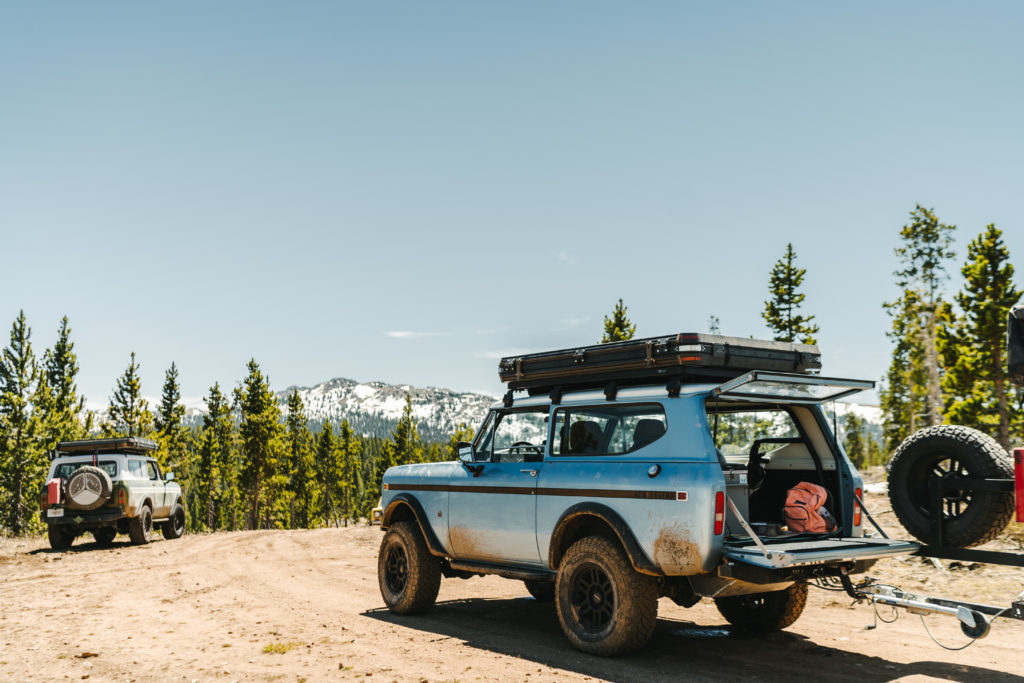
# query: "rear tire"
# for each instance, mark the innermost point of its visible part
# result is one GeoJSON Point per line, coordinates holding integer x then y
{"type": "Point", "coordinates": [604, 606]}
{"type": "Point", "coordinates": [140, 528]}
{"type": "Point", "coordinates": [59, 539]}
{"type": "Point", "coordinates": [542, 591]}
{"type": "Point", "coordinates": [970, 517]}
{"type": "Point", "coordinates": [764, 612]}
{"type": "Point", "coordinates": [409, 576]}
{"type": "Point", "coordinates": [174, 527]}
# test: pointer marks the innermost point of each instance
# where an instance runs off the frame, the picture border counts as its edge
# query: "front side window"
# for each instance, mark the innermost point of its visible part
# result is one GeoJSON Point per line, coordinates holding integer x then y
{"type": "Point", "coordinates": [152, 471]}
{"type": "Point", "coordinates": [137, 468]}
{"type": "Point", "coordinates": [607, 429]}
{"type": "Point", "coordinates": [513, 436]}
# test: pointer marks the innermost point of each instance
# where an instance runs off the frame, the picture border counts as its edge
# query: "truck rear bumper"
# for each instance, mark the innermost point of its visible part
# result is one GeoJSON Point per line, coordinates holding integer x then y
{"type": "Point", "coordinates": [81, 519]}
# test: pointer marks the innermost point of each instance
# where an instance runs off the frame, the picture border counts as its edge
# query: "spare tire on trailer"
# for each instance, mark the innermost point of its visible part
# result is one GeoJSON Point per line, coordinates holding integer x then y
{"type": "Point", "coordinates": [88, 488]}
{"type": "Point", "coordinates": [947, 451]}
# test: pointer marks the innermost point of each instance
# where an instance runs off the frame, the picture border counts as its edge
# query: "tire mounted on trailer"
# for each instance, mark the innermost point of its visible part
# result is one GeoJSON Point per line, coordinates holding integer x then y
{"type": "Point", "coordinates": [947, 451]}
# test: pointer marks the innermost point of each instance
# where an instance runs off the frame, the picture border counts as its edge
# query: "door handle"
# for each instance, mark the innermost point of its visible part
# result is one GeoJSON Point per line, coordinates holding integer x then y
{"type": "Point", "coordinates": [532, 473]}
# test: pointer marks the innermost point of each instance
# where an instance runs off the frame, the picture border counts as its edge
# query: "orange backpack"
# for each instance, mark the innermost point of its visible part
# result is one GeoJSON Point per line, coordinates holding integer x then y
{"type": "Point", "coordinates": [803, 502]}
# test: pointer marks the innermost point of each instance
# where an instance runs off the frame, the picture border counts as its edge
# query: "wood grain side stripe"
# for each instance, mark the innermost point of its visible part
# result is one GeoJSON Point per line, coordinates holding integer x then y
{"type": "Point", "coordinates": [530, 491]}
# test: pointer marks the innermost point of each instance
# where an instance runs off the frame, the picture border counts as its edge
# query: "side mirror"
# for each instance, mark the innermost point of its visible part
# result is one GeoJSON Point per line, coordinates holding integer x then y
{"type": "Point", "coordinates": [169, 476]}
{"type": "Point", "coordinates": [466, 454]}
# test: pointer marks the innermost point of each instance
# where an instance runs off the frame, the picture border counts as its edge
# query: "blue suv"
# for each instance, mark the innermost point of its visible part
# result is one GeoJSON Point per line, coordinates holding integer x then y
{"type": "Point", "coordinates": [605, 484]}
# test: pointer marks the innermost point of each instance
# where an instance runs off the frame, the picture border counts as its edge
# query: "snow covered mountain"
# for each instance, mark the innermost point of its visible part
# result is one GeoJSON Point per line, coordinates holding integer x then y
{"type": "Point", "coordinates": [373, 408]}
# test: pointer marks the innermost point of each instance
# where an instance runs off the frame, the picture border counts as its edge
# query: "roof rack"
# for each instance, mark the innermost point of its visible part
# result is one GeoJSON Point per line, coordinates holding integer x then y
{"type": "Point", "coordinates": [671, 360]}
{"type": "Point", "coordinates": [126, 444]}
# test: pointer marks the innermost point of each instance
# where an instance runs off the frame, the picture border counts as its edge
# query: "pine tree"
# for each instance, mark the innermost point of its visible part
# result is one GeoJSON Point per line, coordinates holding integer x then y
{"type": "Point", "coordinates": [618, 327]}
{"type": "Point", "coordinates": [60, 368]}
{"type": "Point", "coordinates": [325, 459]}
{"type": "Point", "coordinates": [261, 449]}
{"type": "Point", "coordinates": [854, 443]}
{"type": "Point", "coordinates": [170, 432]}
{"type": "Point", "coordinates": [927, 246]}
{"type": "Point", "coordinates": [405, 444]}
{"type": "Point", "coordinates": [22, 463]}
{"type": "Point", "coordinates": [972, 345]}
{"type": "Point", "coordinates": [214, 457]}
{"type": "Point", "coordinates": [301, 488]}
{"type": "Point", "coordinates": [904, 389]}
{"type": "Point", "coordinates": [349, 483]}
{"type": "Point", "coordinates": [128, 413]}
{"type": "Point", "coordinates": [780, 312]}
{"type": "Point", "coordinates": [713, 325]}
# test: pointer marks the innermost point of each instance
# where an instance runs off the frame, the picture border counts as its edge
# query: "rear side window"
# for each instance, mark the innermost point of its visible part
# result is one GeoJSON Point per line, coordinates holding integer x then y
{"type": "Point", "coordinates": [607, 429]}
{"type": "Point", "coordinates": [137, 468]}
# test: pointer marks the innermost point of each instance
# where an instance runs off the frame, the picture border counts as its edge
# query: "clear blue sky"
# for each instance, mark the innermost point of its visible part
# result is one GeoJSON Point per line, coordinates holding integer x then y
{"type": "Point", "coordinates": [402, 191]}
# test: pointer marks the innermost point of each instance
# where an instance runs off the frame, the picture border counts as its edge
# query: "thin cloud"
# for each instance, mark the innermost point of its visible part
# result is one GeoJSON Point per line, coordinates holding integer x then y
{"type": "Point", "coordinates": [413, 335]}
{"type": "Point", "coordinates": [566, 258]}
{"type": "Point", "coordinates": [573, 322]}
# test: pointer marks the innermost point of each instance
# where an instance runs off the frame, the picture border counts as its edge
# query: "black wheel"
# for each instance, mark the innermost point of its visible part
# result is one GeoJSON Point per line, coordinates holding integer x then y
{"type": "Point", "coordinates": [104, 535]}
{"type": "Point", "coordinates": [947, 452]}
{"type": "Point", "coordinates": [59, 539]}
{"type": "Point", "coordinates": [174, 527]}
{"type": "Point", "coordinates": [140, 528]}
{"type": "Point", "coordinates": [764, 612]}
{"type": "Point", "coordinates": [603, 605]}
{"type": "Point", "coordinates": [543, 591]}
{"type": "Point", "coordinates": [409, 576]}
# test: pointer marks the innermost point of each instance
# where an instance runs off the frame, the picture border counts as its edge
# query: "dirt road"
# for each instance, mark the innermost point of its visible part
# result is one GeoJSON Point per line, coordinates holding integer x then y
{"type": "Point", "coordinates": [304, 605]}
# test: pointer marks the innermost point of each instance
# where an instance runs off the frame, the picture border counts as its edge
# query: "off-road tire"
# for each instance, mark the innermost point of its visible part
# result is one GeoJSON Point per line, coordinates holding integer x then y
{"type": "Point", "coordinates": [595, 571]}
{"type": "Point", "coordinates": [542, 591]}
{"type": "Point", "coordinates": [764, 612]}
{"type": "Point", "coordinates": [140, 528]}
{"type": "Point", "coordinates": [59, 539]}
{"type": "Point", "coordinates": [174, 527]}
{"type": "Point", "coordinates": [96, 490]}
{"type": "Point", "coordinates": [971, 517]}
{"type": "Point", "coordinates": [104, 535]}
{"type": "Point", "coordinates": [409, 576]}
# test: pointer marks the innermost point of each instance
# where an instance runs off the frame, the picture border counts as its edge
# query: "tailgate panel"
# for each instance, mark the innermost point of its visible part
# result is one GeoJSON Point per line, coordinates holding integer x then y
{"type": "Point", "coordinates": [796, 553]}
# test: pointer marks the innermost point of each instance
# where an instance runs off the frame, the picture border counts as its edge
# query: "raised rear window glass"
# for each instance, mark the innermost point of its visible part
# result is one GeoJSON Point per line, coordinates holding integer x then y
{"type": "Point", "coordinates": [65, 469]}
{"type": "Point", "coordinates": [607, 429]}
{"type": "Point", "coordinates": [737, 429]}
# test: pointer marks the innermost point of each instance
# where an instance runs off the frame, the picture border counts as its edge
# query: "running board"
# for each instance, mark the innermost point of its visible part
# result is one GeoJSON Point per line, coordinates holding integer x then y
{"type": "Point", "coordinates": [517, 573]}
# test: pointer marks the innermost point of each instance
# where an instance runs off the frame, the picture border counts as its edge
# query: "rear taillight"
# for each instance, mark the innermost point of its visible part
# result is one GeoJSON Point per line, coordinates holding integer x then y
{"type": "Point", "coordinates": [120, 497]}
{"type": "Point", "coordinates": [856, 506]}
{"type": "Point", "coordinates": [719, 512]}
{"type": "Point", "coordinates": [42, 499]}
{"type": "Point", "coordinates": [1018, 477]}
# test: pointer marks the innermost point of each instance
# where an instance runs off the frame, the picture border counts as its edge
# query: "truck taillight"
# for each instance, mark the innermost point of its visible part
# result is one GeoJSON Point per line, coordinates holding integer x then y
{"type": "Point", "coordinates": [120, 497]}
{"type": "Point", "coordinates": [719, 512]}
{"type": "Point", "coordinates": [1018, 478]}
{"type": "Point", "coordinates": [42, 499]}
{"type": "Point", "coordinates": [856, 506]}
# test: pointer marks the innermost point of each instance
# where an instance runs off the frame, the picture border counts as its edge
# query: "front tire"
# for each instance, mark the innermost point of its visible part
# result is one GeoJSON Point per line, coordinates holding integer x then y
{"type": "Point", "coordinates": [104, 535]}
{"type": "Point", "coordinates": [174, 527]}
{"type": "Point", "coordinates": [604, 606]}
{"type": "Point", "coordinates": [409, 576]}
{"type": "Point", "coordinates": [59, 539]}
{"type": "Point", "coordinates": [140, 528]}
{"type": "Point", "coordinates": [764, 612]}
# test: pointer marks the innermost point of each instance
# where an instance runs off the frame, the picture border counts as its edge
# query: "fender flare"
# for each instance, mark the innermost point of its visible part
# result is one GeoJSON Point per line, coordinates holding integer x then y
{"type": "Point", "coordinates": [637, 557]}
{"type": "Point", "coordinates": [409, 501]}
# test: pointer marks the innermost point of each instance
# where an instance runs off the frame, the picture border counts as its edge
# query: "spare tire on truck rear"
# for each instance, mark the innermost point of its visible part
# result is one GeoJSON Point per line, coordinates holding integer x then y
{"type": "Point", "coordinates": [948, 451]}
{"type": "Point", "coordinates": [88, 488]}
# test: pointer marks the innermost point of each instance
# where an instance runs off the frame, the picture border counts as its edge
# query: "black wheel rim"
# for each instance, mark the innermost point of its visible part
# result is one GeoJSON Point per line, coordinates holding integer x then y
{"type": "Point", "coordinates": [179, 521]}
{"type": "Point", "coordinates": [947, 468]}
{"type": "Point", "coordinates": [147, 523]}
{"type": "Point", "coordinates": [592, 598]}
{"type": "Point", "coordinates": [396, 569]}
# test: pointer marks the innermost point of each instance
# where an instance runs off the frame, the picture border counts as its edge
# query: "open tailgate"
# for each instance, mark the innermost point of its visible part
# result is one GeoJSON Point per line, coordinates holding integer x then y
{"type": "Point", "coordinates": [790, 552]}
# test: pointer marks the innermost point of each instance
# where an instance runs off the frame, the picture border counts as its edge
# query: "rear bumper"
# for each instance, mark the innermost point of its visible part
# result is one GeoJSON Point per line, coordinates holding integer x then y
{"type": "Point", "coordinates": [82, 519]}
